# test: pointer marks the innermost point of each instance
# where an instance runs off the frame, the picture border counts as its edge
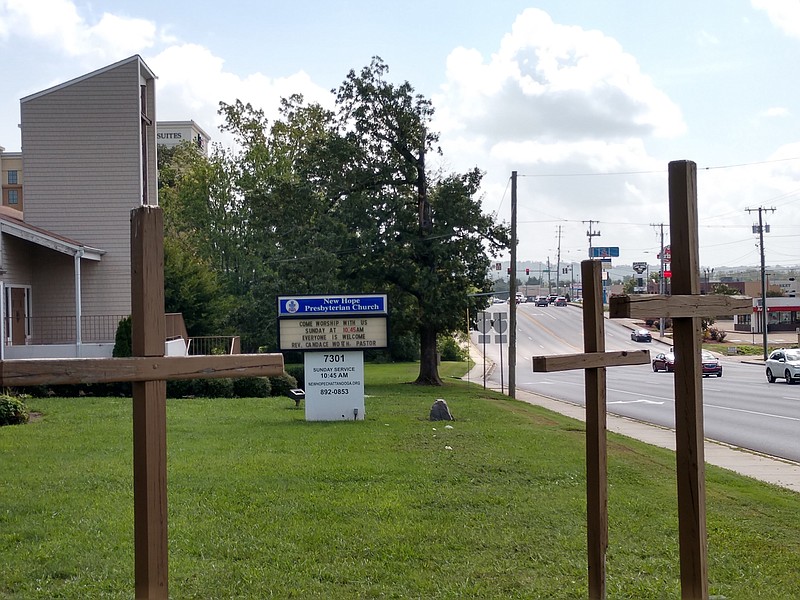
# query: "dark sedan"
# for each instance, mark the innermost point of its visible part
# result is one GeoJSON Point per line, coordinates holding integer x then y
{"type": "Point", "coordinates": [664, 362]}
{"type": "Point", "coordinates": [641, 335]}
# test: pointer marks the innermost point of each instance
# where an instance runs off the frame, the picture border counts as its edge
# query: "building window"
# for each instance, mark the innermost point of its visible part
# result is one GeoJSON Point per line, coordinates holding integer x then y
{"type": "Point", "coordinates": [13, 197]}
{"type": "Point", "coordinates": [12, 177]}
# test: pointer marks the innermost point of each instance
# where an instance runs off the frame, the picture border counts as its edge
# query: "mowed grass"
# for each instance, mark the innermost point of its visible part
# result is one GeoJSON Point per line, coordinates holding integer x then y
{"type": "Point", "coordinates": [265, 505]}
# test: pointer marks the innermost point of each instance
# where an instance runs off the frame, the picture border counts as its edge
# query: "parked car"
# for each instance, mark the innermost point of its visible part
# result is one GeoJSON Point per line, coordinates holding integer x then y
{"type": "Point", "coordinates": [664, 362]}
{"type": "Point", "coordinates": [560, 301]}
{"type": "Point", "coordinates": [541, 301]}
{"type": "Point", "coordinates": [783, 363]}
{"type": "Point", "coordinates": [641, 335]}
{"type": "Point", "coordinates": [711, 364]}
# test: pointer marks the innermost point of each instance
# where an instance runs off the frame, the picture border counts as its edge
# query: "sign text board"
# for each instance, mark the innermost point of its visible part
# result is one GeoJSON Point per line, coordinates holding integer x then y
{"type": "Point", "coordinates": [333, 333]}
{"type": "Point", "coordinates": [334, 386]}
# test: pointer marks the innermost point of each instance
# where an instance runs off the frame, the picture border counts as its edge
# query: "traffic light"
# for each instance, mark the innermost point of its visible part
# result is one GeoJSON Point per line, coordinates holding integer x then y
{"type": "Point", "coordinates": [527, 271]}
{"type": "Point", "coordinates": [509, 270]}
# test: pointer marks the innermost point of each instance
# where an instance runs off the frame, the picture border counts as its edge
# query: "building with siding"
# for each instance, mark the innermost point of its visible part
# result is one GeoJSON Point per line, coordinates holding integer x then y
{"type": "Point", "coordinates": [88, 158]}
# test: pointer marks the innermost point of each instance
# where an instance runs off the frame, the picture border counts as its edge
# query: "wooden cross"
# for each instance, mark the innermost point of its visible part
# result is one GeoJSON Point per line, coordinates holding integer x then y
{"type": "Point", "coordinates": [594, 361]}
{"type": "Point", "coordinates": [149, 371]}
{"type": "Point", "coordinates": [686, 307]}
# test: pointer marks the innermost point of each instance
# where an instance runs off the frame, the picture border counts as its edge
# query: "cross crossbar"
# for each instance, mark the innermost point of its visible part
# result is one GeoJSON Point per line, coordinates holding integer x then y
{"type": "Point", "coordinates": [589, 360]}
{"type": "Point", "coordinates": [39, 371]}
{"type": "Point", "coordinates": [678, 306]}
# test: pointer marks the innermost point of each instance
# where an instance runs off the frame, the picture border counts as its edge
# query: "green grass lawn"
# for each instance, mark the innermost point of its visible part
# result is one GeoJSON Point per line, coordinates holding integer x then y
{"type": "Point", "coordinates": [263, 504]}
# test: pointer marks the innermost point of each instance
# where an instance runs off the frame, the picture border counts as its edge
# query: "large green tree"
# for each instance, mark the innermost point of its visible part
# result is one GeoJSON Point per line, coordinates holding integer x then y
{"type": "Point", "coordinates": [340, 201]}
{"type": "Point", "coordinates": [425, 232]}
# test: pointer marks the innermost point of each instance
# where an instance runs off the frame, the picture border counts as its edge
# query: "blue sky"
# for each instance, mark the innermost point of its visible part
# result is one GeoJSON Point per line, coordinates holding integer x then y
{"type": "Point", "coordinates": [587, 100]}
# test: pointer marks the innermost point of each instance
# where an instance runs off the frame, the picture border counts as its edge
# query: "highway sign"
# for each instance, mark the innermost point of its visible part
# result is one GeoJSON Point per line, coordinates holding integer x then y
{"type": "Point", "coordinates": [604, 251]}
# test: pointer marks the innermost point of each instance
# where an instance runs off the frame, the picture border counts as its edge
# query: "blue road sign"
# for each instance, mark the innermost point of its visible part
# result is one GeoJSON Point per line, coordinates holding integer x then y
{"type": "Point", "coordinates": [605, 252]}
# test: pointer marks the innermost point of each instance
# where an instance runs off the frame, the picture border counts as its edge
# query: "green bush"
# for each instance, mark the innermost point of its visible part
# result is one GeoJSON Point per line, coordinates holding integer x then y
{"type": "Point", "coordinates": [449, 349]}
{"type": "Point", "coordinates": [252, 387]}
{"type": "Point", "coordinates": [281, 384]}
{"type": "Point", "coordinates": [13, 411]}
{"type": "Point", "coordinates": [298, 372]}
{"type": "Point", "coordinates": [218, 388]}
{"type": "Point", "coordinates": [184, 388]}
{"type": "Point", "coordinates": [123, 340]}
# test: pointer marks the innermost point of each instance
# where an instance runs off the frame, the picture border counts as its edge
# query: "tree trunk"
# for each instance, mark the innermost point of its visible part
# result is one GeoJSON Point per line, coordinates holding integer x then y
{"type": "Point", "coordinates": [428, 367]}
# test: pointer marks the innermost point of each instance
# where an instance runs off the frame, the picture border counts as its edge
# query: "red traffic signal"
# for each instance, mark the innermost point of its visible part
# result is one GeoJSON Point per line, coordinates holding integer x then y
{"type": "Point", "coordinates": [527, 271]}
{"type": "Point", "coordinates": [509, 270]}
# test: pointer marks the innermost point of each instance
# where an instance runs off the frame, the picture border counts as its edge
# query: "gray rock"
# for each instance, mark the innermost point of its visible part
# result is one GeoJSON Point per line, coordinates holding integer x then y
{"type": "Point", "coordinates": [440, 411]}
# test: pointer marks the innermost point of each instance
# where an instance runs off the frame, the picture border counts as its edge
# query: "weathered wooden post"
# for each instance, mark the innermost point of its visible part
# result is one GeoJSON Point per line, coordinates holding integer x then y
{"type": "Point", "coordinates": [149, 406]}
{"type": "Point", "coordinates": [686, 307]}
{"type": "Point", "coordinates": [594, 362]}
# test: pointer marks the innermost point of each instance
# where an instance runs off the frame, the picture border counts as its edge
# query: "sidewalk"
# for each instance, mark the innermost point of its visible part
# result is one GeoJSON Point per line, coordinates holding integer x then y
{"type": "Point", "coordinates": [776, 471]}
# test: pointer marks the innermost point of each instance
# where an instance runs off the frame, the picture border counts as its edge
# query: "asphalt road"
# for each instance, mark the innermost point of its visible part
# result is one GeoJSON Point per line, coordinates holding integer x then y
{"type": "Point", "coordinates": [740, 408]}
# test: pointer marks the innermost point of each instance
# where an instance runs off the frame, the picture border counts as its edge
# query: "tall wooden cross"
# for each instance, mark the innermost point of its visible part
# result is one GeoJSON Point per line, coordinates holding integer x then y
{"type": "Point", "coordinates": [686, 307]}
{"type": "Point", "coordinates": [149, 371]}
{"type": "Point", "coordinates": [594, 361]}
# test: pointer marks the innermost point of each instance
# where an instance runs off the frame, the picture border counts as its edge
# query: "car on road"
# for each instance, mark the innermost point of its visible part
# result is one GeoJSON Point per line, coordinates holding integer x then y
{"type": "Point", "coordinates": [711, 364]}
{"type": "Point", "coordinates": [665, 361]}
{"type": "Point", "coordinates": [560, 301]}
{"type": "Point", "coordinates": [641, 335]}
{"type": "Point", "coordinates": [783, 363]}
{"type": "Point", "coordinates": [552, 298]}
{"type": "Point", "coordinates": [542, 301]}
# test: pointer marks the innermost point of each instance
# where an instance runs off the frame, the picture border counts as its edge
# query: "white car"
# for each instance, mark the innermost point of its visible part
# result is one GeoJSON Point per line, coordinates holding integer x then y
{"type": "Point", "coordinates": [784, 363]}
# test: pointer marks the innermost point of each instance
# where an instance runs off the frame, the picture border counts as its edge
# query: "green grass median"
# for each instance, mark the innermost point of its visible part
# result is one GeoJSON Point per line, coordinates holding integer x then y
{"type": "Point", "coordinates": [263, 504]}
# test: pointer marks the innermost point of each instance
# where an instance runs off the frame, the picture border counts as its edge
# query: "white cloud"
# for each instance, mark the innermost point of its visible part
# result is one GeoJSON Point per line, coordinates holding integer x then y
{"type": "Point", "coordinates": [556, 84]}
{"type": "Point", "coordinates": [784, 14]}
{"type": "Point", "coordinates": [775, 111]}
{"type": "Point", "coordinates": [192, 81]}
{"type": "Point", "coordinates": [58, 24]}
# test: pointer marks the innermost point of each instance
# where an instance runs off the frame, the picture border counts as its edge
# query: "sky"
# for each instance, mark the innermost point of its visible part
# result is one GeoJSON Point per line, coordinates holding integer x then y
{"type": "Point", "coordinates": [587, 100]}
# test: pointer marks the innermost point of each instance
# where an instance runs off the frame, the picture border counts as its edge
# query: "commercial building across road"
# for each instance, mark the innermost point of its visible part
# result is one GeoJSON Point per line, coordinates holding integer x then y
{"type": "Point", "coordinates": [783, 314]}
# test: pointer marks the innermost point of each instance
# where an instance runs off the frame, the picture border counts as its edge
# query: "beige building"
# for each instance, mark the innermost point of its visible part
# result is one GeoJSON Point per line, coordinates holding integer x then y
{"type": "Point", "coordinates": [172, 133]}
{"type": "Point", "coordinates": [88, 158]}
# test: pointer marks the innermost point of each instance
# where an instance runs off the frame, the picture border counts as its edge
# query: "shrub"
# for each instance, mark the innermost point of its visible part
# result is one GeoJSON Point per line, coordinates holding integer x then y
{"type": "Point", "coordinates": [123, 345]}
{"type": "Point", "coordinates": [184, 388]}
{"type": "Point", "coordinates": [252, 387]}
{"type": "Point", "coordinates": [218, 388]}
{"type": "Point", "coordinates": [281, 384]}
{"type": "Point", "coordinates": [449, 349]}
{"type": "Point", "coordinates": [13, 411]}
{"type": "Point", "coordinates": [298, 372]}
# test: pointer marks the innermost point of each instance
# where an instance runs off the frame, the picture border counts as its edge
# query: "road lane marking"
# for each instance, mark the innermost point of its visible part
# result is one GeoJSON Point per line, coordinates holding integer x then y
{"type": "Point", "coordinates": [751, 412]}
{"type": "Point", "coordinates": [640, 400]}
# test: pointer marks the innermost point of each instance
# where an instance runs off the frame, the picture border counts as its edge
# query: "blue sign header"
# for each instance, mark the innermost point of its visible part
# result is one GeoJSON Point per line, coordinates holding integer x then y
{"type": "Point", "coordinates": [605, 252]}
{"type": "Point", "coordinates": [303, 306]}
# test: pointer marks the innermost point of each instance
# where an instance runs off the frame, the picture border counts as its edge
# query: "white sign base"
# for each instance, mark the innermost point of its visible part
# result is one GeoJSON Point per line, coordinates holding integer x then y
{"type": "Point", "coordinates": [334, 385]}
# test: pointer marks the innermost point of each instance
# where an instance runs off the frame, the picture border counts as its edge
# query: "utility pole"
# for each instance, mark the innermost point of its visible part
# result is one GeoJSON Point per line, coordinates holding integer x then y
{"type": "Point", "coordinates": [512, 293]}
{"type": "Point", "coordinates": [764, 319]}
{"type": "Point", "coordinates": [590, 234]}
{"type": "Point", "coordinates": [661, 280]}
{"type": "Point", "coordinates": [558, 262]}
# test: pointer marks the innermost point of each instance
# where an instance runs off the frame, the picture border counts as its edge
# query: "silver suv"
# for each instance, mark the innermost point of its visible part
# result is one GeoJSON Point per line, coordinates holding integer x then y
{"type": "Point", "coordinates": [784, 363]}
